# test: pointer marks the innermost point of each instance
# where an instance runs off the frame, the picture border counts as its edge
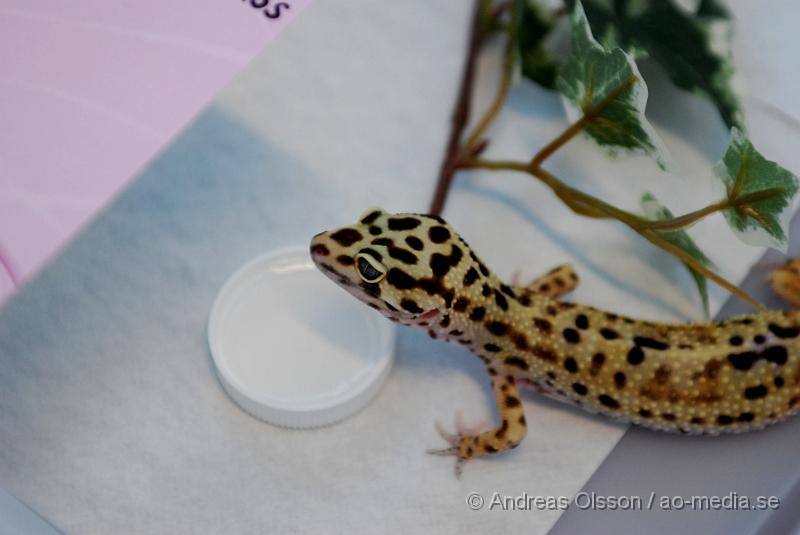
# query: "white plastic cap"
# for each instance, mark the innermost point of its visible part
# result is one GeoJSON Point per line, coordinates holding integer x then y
{"type": "Point", "coordinates": [293, 349]}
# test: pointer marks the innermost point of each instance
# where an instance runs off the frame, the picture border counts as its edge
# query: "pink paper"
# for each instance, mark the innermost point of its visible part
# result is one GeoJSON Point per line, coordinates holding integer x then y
{"type": "Point", "coordinates": [91, 89]}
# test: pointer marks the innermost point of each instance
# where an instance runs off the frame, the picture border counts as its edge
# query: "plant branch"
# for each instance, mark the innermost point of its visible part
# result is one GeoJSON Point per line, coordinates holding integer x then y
{"type": "Point", "coordinates": [494, 108]}
{"type": "Point", "coordinates": [589, 115]}
{"type": "Point", "coordinates": [460, 114]}
{"type": "Point", "coordinates": [693, 263]}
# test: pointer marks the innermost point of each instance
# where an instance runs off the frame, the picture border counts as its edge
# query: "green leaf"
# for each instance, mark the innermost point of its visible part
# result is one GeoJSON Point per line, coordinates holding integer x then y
{"type": "Point", "coordinates": [712, 8]}
{"type": "Point", "coordinates": [606, 87]}
{"type": "Point", "coordinates": [695, 52]}
{"type": "Point", "coordinates": [680, 238]}
{"type": "Point", "coordinates": [603, 21]}
{"type": "Point", "coordinates": [537, 62]}
{"type": "Point", "coordinates": [693, 48]}
{"type": "Point", "coordinates": [513, 60]}
{"type": "Point", "coordinates": [744, 173]}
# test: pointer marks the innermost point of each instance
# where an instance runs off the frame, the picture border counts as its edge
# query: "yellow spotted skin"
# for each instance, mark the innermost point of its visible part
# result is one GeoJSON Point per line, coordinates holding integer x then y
{"type": "Point", "coordinates": [726, 377]}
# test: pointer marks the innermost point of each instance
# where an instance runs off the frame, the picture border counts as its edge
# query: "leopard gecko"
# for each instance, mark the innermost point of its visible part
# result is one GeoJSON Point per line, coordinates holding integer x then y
{"type": "Point", "coordinates": [736, 375]}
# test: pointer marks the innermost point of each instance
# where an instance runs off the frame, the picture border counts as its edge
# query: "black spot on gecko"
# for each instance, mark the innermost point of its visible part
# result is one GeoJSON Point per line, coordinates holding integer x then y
{"type": "Point", "coordinates": [516, 362]}
{"type": "Point", "coordinates": [500, 433]}
{"type": "Point", "coordinates": [759, 339]}
{"type": "Point", "coordinates": [511, 402]}
{"type": "Point", "coordinates": [619, 379]}
{"type": "Point", "coordinates": [580, 389]}
{"type": "Point", "coordinates": [644, 413]}
{"type": "Point", "coordinates": [635, 356]}
{"type": "Point", "coordinates": [477, 314]}
{"type": "Point", "coordinates": [644, 341]}
{"type": "Point", "coordinates": [520, 340]}
{"type": "Point", "coordinates": [411, 306]}
{"type": "Point", "coordinates": [746, 417]}
{"type": "Point", "coordinates": [571, 335]}
{"type": "Point", "coordinates": [609, 334]}
{"type": "Point", "coordinates": [445, 322]}
{"type": "Point", "coordinates": [372, 216]}
{"type": "Point", "coordinates": [461, 304]}
{"type": "Point", "coordinates": [570, 365]}
{"type": "Point", "coordinates": [755, 392]}
{"type": "Point", "coordinates": [582, 322]}
{"type": "Point", "coordinates": [404, 255]}
{"type": "Point", "coordinates": [345, 260]}
{"type": "Point", "coordinates": [375, 231]}
{"type": "Point", "coordinates": [415, 243]}
{"type": "Point", "coordinates": [697, 420]}
{"type": "Point", "coordinates": [736, 340]}
{"type": "Point", "coordinates": [497, 328]}
{"type": "Point", "coordinates": [784, 332]}
{"type": "Point", "coordinates": [383, 241]}
{"type": "Point", "coordinates": [724, 419]}
{"type": "Point", "coordinates": [776, 354]}
{"type": "Point", "coordinates": [543, 325]}
{"type": "Point", "coordinates": [779, 381]}
{"type": "Point", "coordinates": [471, 276]}
{"type": "Point", "coordinates": [668, 416]}
{"type": "Point", "coordinates": [346, 237]}
{"type": "Point", "coordinates": [743, 361]}
{"type": "Point", "coordinates": [439, 234]}
{"type": "Point", "coordinates": [500, 300]}
{"type": "Point", "coordinates": [507, 290]}
{"type": "Point", "coordinates": [492, 348]}
{"type": "Point", "coordinates": [486, 291]}
{"type": "Point", "coordinates": [440, 264]}
{"type": "Point", "coordinates": [544, 353]}
{"type": "Point", "coordinates": [400, 279]}
{"type": "Point", "coordinates": [403, 223]}
{"type": "Point", "coordinates": [608, 401]}
{"type": "Point", "coordinates": [597, 362]}
{"type": "Point", "coordinates": [371, 289]}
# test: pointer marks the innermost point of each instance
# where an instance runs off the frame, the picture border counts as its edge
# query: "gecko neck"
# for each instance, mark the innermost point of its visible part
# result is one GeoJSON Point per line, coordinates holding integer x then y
{"type": "Point", "coordinates": [490, 321]}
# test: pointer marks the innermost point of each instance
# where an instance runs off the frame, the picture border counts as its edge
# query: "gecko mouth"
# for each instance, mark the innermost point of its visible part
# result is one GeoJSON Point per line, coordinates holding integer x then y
{"type": "Point", "coordinates": [429, 314]}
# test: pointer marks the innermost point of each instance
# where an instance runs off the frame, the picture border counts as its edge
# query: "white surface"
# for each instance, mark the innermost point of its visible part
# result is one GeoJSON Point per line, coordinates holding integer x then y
{"type": "Point", "coordinates": [17, 519]}
{"type": "Point", "coordinates": [281, 338]}
{"type": "Point", "coordinates": [112, 419]}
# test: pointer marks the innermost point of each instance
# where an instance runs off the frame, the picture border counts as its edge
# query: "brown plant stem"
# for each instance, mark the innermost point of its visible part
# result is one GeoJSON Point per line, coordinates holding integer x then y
{"type": "Point", "coordinates": [460, 114]}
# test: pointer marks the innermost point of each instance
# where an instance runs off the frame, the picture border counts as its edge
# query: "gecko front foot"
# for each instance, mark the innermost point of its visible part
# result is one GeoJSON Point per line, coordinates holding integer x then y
{"type": "Point", "coordinates": [468, 443]}
{"type": "Point", "coordinates": [460, 442]}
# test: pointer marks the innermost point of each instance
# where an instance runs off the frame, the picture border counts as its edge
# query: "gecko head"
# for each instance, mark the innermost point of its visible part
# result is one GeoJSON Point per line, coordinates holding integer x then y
{"type": "Point", "coordinates": [404, 265]}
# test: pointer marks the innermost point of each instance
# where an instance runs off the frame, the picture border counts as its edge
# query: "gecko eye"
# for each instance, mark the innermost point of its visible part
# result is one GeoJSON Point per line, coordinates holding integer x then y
{"type": "Point", "coordinates": [369, 269]}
